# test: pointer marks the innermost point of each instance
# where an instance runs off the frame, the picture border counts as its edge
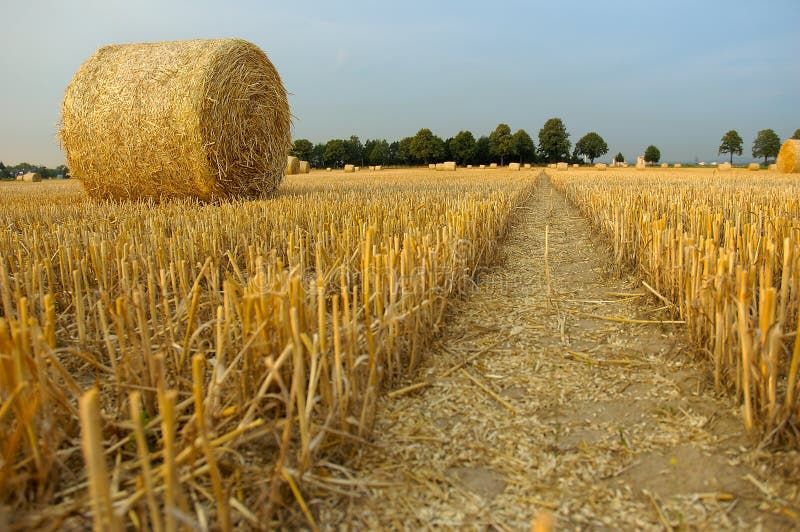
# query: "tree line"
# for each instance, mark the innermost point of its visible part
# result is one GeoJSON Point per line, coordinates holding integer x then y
{"type": "Point", "coordinates": [7, 172]}
{"type": "Point", "coordinates": [500, 146]}
{"type": "Point", "coordinates": [766, 144]}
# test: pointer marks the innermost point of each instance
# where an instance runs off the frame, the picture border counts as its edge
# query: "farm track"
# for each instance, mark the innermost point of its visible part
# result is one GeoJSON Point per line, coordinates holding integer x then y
{"type": "Point", "coordinates": [558, 410]}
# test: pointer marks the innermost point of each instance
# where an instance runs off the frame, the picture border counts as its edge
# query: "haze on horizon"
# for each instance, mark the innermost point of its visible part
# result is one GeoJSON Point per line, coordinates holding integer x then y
{"type": "Point", "coordinates": [677, 74]}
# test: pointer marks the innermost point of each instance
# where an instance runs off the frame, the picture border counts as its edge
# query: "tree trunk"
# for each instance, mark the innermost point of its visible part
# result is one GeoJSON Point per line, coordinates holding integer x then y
{"type": "Point", "coordinates": [731, 158]}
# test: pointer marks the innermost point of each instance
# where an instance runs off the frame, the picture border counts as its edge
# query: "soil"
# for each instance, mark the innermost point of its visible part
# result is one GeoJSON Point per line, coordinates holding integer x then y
{"type": "Point", "coordinates": [559, 412]}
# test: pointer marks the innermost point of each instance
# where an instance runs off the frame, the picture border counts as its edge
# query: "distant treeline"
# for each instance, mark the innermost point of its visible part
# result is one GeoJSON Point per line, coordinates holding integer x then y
{"type": "Point", "coordinates": [500, 146]}
{"type": "Point", "coordinates": [9, 172]}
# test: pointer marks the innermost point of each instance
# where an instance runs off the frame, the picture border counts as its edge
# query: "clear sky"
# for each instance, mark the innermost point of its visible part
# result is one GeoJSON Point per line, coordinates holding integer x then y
{"type": "Point", "coordinates": [676, 73]}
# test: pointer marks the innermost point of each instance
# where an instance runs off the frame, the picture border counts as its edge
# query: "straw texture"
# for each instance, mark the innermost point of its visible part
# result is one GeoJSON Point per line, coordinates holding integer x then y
{"type": "Point", "coordinates": [32, 177]}
{"type": "Point", "coordinates": [292, 165]}
{"type": "Point", "coordinates": [199, 118]}
{"type": "Point", "coordinates": [513, 166]}
{"type": "Point", "coordinates": [788, 161]}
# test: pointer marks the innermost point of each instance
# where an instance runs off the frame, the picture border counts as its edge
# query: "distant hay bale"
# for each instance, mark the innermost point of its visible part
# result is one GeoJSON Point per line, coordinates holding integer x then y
{"type": "Point", "coordinates": [513, 166]}
{"type": "Point", "coordinates": [199, 118]}
{"type": "Point", "coordinates": [788, 161]}
{"type": "Point", "coordinates": [439, 167]}
{"type": "Point", "coordinates": [575, 165]}
{"type": "Point", "coordinates": [19, 178]}
{"type": "Point", "coordinates": [371, 168]}
{"type": "Point", "coordinates": [378, 168]}
{"type": "Point", "coordinates": [32, 177]}
{"type": "Point", "coordinates": [349, 169]}
{"type": "Point", "coordinates": [552, 165]}
{"type": "Point", "coordinates": [562, 167]}
{"type": "Point", "coordinates": [305, 167]}
{"type": "Point", "coordinates": [753, 167]}
{"type": "Point", "coordinates": [469, 166]}
{"type": "Point", "coordinates": [600, 166]}
{"type": "Point", "coordinates": [527, 165]}
{"type": "Point", "coordinates": [482, 166]}
{"type": "Point", "coordinates": [357, 168]}
{"type": "Point", "coordinates": [664, 165]}
{"type": "Point", "coordinates": [449, 166]}
{"type": "Point", "coordinates": [724, 167]}
{"type": "Point", "coordinates": [493, 165]}
{"type": "Point", "coordinates": [773, 166]}
{"type": "Point", "coordinates": [292, 165]}
{"type": "Point", "coordinates": [677, 165]}
{"type": "Point", "coordinates": [432, 166]}
{"type": "Point", "coordinates": [329, 169]}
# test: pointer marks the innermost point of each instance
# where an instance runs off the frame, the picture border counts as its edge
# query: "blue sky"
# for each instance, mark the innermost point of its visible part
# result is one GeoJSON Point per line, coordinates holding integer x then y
{"type": "Point", "coordinates": [677, 74]}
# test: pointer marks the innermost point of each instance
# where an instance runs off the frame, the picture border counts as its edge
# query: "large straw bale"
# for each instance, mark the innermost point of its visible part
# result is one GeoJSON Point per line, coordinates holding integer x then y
{"type": "Point", "coordinates": [371, 168]}
{"type": "Point", "coordinates": [32, 177]}
{"type": "Point", "coordinates": [753, 167]}
{"type": "Point", "coordinates": [513, 166]}
{"type": "Point", "coordinates": [562, 167]}
{"type": "Point", "coordinates": [600, 166]}
{"type": "Point", "coordinates": [449, 166]}
{"type": "Point", "coordinates": [552, 165]}
{"type": "Point", "coordinates": [493, 165]}
{"type": "Point", "coordinates": [292, 165]}
{"type": "Point", "coordinates": [439, 167]}
{"type": "Point", "coordinates": [724, 167]}
{"type": "Point", "coordinates": [527, 166]}
{"type": "Point", "coordinates": [19, 178]}
{"type": "Point", "coordinates": [199, 118]}
{"type": "Point", "coordinates": [329, 169]}
{"type": "Point", "coordinates": [575, 165]}
{"type": "Point", "coordinates": [349, 168]}
{"type": "Point", "coordinates": [788, 161]}
{"type": "Point", "coordinates": [773, 166]}
{"type": "Point", "coordinates": [305, 167]}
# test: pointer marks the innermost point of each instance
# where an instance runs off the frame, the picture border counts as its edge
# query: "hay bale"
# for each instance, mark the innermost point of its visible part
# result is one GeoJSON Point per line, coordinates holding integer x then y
{"type": "Point", "coordinates": [575, 165]}
{"type": "Point", "coordinates": [371, 168]}
{"type": "Point", "coordinates": [292, 165]}
{"type": "Point", "coordinates": [449, 166]}
{"type": "Point", "coordinates": [305, 167]}
{"type": "Point", "coordinates": [378, 168]}
{"type": "Point", "coordinates": [357, 168]}
{"type": "Point", "coordinates": [469, 166]}
{"type": "Point", "coordinates": [349, 169]}
{"type": "Point", "coordinates": [432, 166]}
{"type": "Point", "coordinates": [32, 177]}
{"type": "Point", "coordinates": [788, 161]}
{"type": "Point", "coordinates": [482, 166]}
{"type": "Point", "coordinates": [329, 169]}
{"type": "Point", "coordinates": [677, 165]}
{"type": "Point", "coordinates": [600, 166]}
{"type": "Point", "coordinates": [203, 118]}
{"type": "Point", "coordinates": [724, 167]}
{"type": "Point", "coordinates": [527, 166]}
{"type": "Point", "coordinates": [493, 165]}
{"type": "Point", "coordinates": [562, 167]}
{"type": "Point", "coordinates": [551, 165]}
{"type": "Point", "coordinates": [754, 167]}
{"type": "Point", "coordinates": [439, 167]}
{"type": "Point", "coordinates": [19, 178]}
{"type": "Point", "coordinates": [664, 165]}
{"type": "Point", "coordinates": [513, 166]}
{"type": "Point", "coordinates": [773, 166]}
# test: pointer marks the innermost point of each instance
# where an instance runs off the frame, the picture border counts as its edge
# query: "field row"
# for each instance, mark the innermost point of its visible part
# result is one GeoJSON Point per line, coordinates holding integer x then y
{"type": "Point", "coordinates": [723, 253]}
{"type": "Point", "coordinates": [226, 347]}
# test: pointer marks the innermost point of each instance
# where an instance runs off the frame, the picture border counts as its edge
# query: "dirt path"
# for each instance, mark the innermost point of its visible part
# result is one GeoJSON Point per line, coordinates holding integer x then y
{"type": "Point", "coordinates": [603, 424]}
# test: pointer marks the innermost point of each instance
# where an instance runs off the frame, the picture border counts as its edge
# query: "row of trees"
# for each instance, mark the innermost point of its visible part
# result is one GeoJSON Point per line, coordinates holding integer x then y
{"type": "Point", "coordinates": [500, 146]}
{"type": "Point", "coordinates": [7, 172]}
{"type": "Point", "coordinates": [766, 144]}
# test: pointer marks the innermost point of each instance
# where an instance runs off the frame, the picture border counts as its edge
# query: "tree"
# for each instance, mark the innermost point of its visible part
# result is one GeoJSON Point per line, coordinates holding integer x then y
{"type": "Point", "coordinates": [317, 159]}
{"type": "Point", "coordinates": [523, 146]}
{"type": "Point", "coordinates": [501, 143]}
{"type": "Point", "coordinates": [767, 144]}
{"type": "Point", "coordinates": [462, 147]}
{"type": "Point", "coordinates": [731, 143]}
{"type": "Point", "coordinates": [652, 154]}
{"type": "Point", "coordinates": [554, 141]}
{"type": "Point", "coordinates": [404, 153]}
{"type": "Point", "coordinates": [355, 150]}
{"type": "Point", "coordinates": [796, 135]}
{"type": "Point", "coordinates": [379, 152]}
{"type": "Point", "coordinates": [619, 157]}
{"type": "Point", "coordinates": [335, 152]}
{"type": "Point", "coordinates": [426, 147]}
{"type": "Point", "coordinates": [3, 172]}
{"type": "Point", "coordinates": [482, 152]}
{"type": "Point", "coordinates": [302, 148]}
{"type": "Point", "coordinates": [592, 146]}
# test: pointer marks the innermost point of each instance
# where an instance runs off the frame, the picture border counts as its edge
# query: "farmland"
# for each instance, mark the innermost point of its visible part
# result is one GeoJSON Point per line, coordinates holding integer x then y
{"type": "Point", "coordinates": [481, 336]}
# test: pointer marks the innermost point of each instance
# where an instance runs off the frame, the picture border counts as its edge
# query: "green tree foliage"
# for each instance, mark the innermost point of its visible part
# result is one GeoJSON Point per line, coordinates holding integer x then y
{"type": "Point", "coordinates": [619, 157]}
{"type": "Point", "coordinates": [592, 146]}
{"type": "Point", "coordinates": [501, 142]}
{"type": "Point", "coordinates": [767, 144]}
{"type": "Point", "coordinates": [3, 172]}
{"type": "Point", "coordinates": [796, 135]}
{"type": "Point", "coordinates": [427, 147]}
{"type": "Point", "coordinates": [405, 156]}
{"type": "Point", "coordinates": [462, 147]}
{"type": "Point", "coordinates": [379, 152]}
{"type": "Point", "coordinates": [482, 153]}
{"type": "Point", "coordinates": [318, 156]}
{"type": "Point", "coordinates": [523, 146]}
{"type": "Point", "coordinates": [731, 143]}
{"type": "Point", "coordinates": [554, 141]}
{"type": "Point", "coordinates": [652, 154]}
{"type": "Point", "coordinates": [302, 148]}
{"type": "Point", "coordinates": [335, 153]}
{"type": "Point", "coordinates": [355, 151]}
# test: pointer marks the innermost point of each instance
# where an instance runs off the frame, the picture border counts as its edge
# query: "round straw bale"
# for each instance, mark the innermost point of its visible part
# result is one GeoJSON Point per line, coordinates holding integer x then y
{"type": "Point", "coordinates": [469, 166]}
{"type": "Point", "coordinates": [773, 166]}
{"type": "Point", "coordinates": [449, 166]}
{"type": "Point", "coordinates": [19, 178]}
{"type": "Point", "coordinates": [664, 165]}
{"type": "Point", "coordinates": [199, 118]}
{"type": "Point", "coordinates": [439, 167]}
{"type": "Point", "coordinates": [32, 177]}
{"type": "Point", "coordinates": [788, 161]}
{"type": "Point", "coordinates": [378, 168]}
{"type": "Point", "coordinates": [349, 168]}
{"type": "Point", "coordinates": [575, 165]}
{"type": "Point", "coordinates": [724, 167]}
{"type": "Point", "coordinates": [513, 166]}
{"type": "Point", "coordinates": [677, 165]}
{"type": "Point", "coordinates": [493, 165]}
{"type": "Point", "coordinates": [329, 169]}
{"type": "Point", "coordinates": [432, 166]}
{"type": "Point", "coordinates": [753, 167]}
{"type": "Point", "coordinates": [527, 165]}
{"type": "Point", "coordinates": [305, 168]}
{"type": "Point", "coordinates": [292, 165]}
{"type": "Point", "coordinates": [482, 166]}
{"type": "Point", "coordinates": [562, 167]}
{"type": "Point", "coordinates": [600, 166]}
{"type": "Point", "coordinates": [357, 168]}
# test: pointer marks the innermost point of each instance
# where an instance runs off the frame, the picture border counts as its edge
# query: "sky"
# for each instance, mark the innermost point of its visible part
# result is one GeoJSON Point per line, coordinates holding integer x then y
{"type": "Point", "coordinates": [677, 74]}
